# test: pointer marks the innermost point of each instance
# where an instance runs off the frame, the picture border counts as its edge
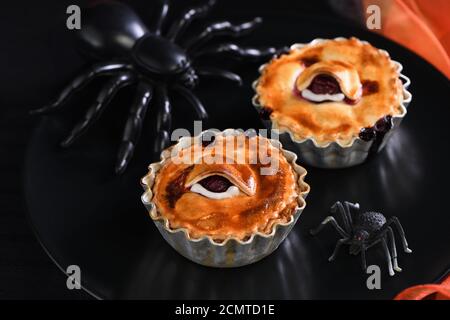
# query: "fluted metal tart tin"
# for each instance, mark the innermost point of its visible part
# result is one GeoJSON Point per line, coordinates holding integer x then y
{"type": "Point", "coordinates": [334, 154]}
{"type": "Point", "coordinates": [231, 252]}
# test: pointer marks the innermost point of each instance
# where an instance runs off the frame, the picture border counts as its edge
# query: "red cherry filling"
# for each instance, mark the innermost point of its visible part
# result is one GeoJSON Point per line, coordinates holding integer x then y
{"type": "Point", "coordinates": [265, 113]}
{"type": "Point", "coordinates": [175, 188]}
{"type": "Point", "coordinates": [384, 124]}
{"type": "Point", "coordinates": [215, 183]}
{"type": "Point", "coordinates": [370, 87]}
{"type": "Point", "coordinates": [207, 140]}
{"type": "Point", "coordinates": [309, 61]}
{"type": "Point", "coordinates": [381, 127]}
{"type": "Point", "coordinates": [324, 84]}
{"type": "Point", "coordinates": [367, 134]}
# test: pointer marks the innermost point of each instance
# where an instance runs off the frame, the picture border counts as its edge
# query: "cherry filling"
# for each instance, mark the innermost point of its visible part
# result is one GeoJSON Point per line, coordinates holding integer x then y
{"type": "Point", "coordinates": [265, 113]}
{"type": "Point", "coordinates": [384, 124]}
{"type": "Point", "coordinates": [367, 134]}
{"type": "Point", "coordinates": [324, 84]}
{"type": "Point", "coordinates": [216, 184]}
{"type": "Point", "coordinates": [380, 128]}
{"type": "Point", "coordinates": [309, 61]}
{"type": "Point", "coordinates": [376, 133]}
{"type": "Point", "coordinates": [370, 87]}
{"type": "Point", "coordinates": [207, 140]}
{"type": "Point", "coordinates": [175, 188]}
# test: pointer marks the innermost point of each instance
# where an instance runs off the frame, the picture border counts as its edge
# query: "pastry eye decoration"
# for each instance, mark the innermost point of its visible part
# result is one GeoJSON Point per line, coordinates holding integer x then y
{"type": "Point", "coordinates": [221, 182]}
{"type": "Point", "coordinates": [329, 81]}
{"type": "Point", "coordinates": [157, 59]}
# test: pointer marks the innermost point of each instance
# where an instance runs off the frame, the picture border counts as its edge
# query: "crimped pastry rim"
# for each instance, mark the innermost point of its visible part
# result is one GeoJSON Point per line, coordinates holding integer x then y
{"type": "Point", "coordinates": [407, 96]}
{"type": "Point", "coordinates": [148, 180]}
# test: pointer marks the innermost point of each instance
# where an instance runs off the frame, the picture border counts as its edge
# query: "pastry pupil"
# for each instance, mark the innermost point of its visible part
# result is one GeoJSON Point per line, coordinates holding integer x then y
{"type": "Point", "coordinates": [324, 84]}
{"type": "Point", "coordinates": [215, 184]}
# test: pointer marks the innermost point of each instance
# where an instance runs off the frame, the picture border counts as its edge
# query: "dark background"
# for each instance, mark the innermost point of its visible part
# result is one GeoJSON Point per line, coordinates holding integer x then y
{"type": "Point", "coordinates": [37, 56]}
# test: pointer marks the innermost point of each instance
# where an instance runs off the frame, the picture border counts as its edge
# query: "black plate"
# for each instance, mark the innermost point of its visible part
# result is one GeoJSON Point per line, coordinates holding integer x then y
{"type": "Point", "coordinates": [85, 215]}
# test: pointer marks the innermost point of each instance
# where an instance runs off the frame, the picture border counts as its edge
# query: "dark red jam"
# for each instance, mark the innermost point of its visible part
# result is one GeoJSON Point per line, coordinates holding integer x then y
{"type": "Point", "coordinates": [369, 87]}
{"type": "Point", "coordinates": [350, 101]}
{"type": "Point", "coordinates": [309, 61]}
{"type": "Point", "coordinates": [324, 84]}
{"type": "Point", "coordinates": [208, 139]}
{"type": "Point", "coordinates": [384, 124]}
{"type": "Point", "coordinates": [376, 133]}
{"type": "Point", "coordinates": [367, 134]}
{"type": "Point", "coordinates": [215, 183]}
{"type": "Point", "coordinates": [176, 188]}
{"type": "Point", "coordinates": [265, 113]}
{"type": "Point", "coordinates": [380, 128]}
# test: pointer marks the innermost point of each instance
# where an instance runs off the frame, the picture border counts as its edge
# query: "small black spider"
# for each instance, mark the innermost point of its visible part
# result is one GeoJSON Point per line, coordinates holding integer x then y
{"type": "Point", "coordinates": [154, 60]}
{"type": "Point", "coordinates": [363, 230]}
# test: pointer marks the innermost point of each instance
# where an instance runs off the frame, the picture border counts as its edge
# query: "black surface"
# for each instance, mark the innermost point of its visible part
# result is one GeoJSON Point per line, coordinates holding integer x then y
{"type": "Point", "coordinates": [31, 34]}
{"type": "Point", "coordinates": [85, 215]}
{"type": "Point", "coordinates": [37, 58]}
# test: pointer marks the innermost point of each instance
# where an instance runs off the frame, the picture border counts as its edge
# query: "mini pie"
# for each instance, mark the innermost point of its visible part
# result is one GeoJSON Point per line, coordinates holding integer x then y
{"type": "Point", "coordinates": [226, 200]}
{"type": "Point", "coordinates": [330, 90]}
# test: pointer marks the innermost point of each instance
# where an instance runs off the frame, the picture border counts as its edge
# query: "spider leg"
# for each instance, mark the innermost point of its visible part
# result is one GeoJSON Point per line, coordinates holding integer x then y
{"type": "Point", "coordinates": [349, 206]}
{"type": "Point", "coordinates": [164, 9]}
{"type": "Point", "coordinates": [363, 258]}
{"type": "Point", "coordinates": [224, 28]}
{"type": "Point", "coordinates": [79, 82]}
{"type": "Point", "coordinates": [215, 72]}
{"type": "Point", "coordinates": [193, 100]}
{"type": "Point", "coordinates": [163, 121]}
{"type": "Point", "coordinates": [388, 255]}
{"type": "Point", "coordinates": [336, 249]}
{"type": "Point", "coordinates": [178, 27]}
{"type": "Point", "coordinates": [236, 51]}
{"type": "Point", "coordinates": [102, 100]}
{"type": "Point", "coordinates": [393, 249]}
{"type": "Point", "coordinates": [133, 126]}
{"type": "Point", "coordinates": [401, 231]}
{"type": "Point", "coordinates": [330, 219]}
{"type": "Point", "coordinates": [344, 214]}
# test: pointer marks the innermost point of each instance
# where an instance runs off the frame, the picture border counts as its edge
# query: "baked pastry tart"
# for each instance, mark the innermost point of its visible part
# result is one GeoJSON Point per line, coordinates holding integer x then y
{"type": "Point", "coordinates": [334, 101]}
{"type": "Point", "coordinates": [228, 202]}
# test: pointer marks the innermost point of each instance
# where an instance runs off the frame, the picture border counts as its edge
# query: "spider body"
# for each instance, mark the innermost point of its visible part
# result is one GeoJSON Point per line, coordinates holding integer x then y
{"type": "Point", "coordinates": [152, 59]}
{"type": "Point", "coordinates": [107, 32]}
{"type": "Point", "coordinates": [363, 230]}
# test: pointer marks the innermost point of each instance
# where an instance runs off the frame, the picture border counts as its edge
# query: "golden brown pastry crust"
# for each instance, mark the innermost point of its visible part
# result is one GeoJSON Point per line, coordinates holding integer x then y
{"type": "Point", "coordinates": [331, 121]}
{"type": "Point", "coordinates": [274, 200]}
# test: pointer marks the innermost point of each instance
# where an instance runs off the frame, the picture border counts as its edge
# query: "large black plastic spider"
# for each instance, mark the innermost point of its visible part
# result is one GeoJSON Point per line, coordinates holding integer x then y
{"type": "Point", "coordinates": [363, 230]}
{"type": "Point", "coordinates": [154, 61]}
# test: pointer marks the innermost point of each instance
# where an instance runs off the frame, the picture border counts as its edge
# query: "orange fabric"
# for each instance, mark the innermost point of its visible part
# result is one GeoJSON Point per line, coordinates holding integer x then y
{"type": "Point", "coordinates": [420, 25]}
{"type": "Point", "coordinates": [427, 291]}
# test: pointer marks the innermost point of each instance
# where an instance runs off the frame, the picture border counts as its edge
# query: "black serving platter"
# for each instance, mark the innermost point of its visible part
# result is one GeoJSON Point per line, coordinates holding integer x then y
{"type": "Point", "coordinates": [85, 215]}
